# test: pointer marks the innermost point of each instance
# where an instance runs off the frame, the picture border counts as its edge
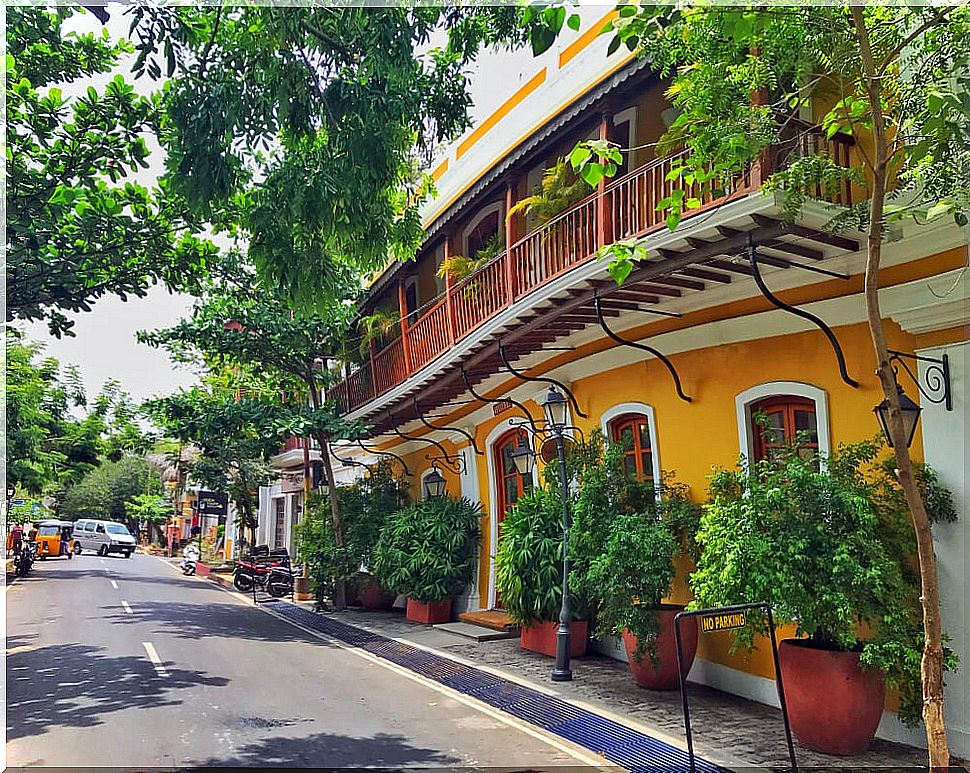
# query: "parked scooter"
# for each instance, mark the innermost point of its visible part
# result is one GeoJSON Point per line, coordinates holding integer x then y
{"type": "Point", "coordinates": [265, 570]}
{"type": "Point", "coordinates": [24, 560]}
{"type": "Point", "coordinates": [190, 555]}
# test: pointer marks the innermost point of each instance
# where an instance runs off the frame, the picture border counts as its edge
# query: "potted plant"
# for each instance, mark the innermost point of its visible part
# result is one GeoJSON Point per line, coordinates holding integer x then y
{"type": "Point", "coordinates": [427, 551]}
{"type": "Point", "coordinates": [825, 545]}
{"type": "Point", "coordinates": [630, 579]}
{"type": "Point", "coordinates": [364, 507]}
{"type": "Point", "coordinates": [528, 573]}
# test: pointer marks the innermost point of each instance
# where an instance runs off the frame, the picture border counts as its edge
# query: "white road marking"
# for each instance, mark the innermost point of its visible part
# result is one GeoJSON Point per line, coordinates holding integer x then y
{"type": "Point", "coordinates": [127, 608]}
{"type": "Point", "coordinates": [153, 657]}
{"type": "Point", "coordinates": [102, 560]}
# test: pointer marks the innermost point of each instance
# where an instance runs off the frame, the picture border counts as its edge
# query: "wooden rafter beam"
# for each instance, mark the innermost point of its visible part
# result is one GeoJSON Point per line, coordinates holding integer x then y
{"type": "Point", "coordinates": [822, 237]}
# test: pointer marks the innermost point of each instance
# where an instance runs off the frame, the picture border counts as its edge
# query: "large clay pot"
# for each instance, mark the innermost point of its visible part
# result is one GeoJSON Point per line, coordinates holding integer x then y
{"type": "Point", "coordinates": [665, 676]}
{"type": "Point", "coordinates": [429, 613]}
{"type": "Point", "coordinates": [834, 705]}
{"type": "Point", "coordinates": [372, 596]}
{"type": "Point", "coordinates": [541, 638]}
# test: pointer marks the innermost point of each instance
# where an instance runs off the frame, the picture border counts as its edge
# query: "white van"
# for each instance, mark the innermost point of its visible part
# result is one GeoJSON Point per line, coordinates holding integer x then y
{"type": "Point", "coordinates": [103, 537]}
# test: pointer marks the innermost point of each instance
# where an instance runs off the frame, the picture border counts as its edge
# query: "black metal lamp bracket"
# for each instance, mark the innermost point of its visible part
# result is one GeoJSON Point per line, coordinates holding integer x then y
{"type": "Point", "coordinates": [457, 466]}
{"type": "Point", "coordinates": [459, 430]}
{"type": "Point", "coordinates": [432, 441]}
{"type": "Point", "coordinates": [351, 462]}
{"type": "Point", "coordinates": [516, 403]}
{"type": "Point", "coordinates": [642, 347]}
{"type": "Point", "coordinates": [937, 376]}
{"type": "Point", "coordinates": [375, 452]}
{"type": "Point", "coordinates": [837, 348]}
{"type": "Point", "coordinates": [541, 379]}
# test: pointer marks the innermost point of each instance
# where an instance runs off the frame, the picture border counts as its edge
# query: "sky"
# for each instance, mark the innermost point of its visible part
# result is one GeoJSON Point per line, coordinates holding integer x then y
{"type": "Point", "coordinates": [104, 346]}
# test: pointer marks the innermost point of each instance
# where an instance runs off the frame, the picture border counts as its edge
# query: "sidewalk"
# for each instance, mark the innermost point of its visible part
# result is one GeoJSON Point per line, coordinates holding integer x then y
{"type": "Point", "coordinates": [727, 730]}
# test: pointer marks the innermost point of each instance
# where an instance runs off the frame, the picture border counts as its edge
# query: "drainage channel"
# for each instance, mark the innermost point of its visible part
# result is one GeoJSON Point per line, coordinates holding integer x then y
{"type": "Point", "coordinates": [617, 743]}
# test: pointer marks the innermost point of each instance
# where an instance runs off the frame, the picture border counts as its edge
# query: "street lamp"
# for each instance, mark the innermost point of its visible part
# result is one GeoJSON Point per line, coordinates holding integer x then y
{"type": "Point", "coordinates": [910, 413]}
{"type": "Point", "coordinates": [523, 457]}
{"type": "Point", "coordinates": [554, 407]}
{"type": "Point", "coordinates": [434, 484]}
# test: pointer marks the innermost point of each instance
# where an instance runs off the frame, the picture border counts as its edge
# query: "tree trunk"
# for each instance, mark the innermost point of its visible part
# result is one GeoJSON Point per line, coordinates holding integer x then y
{"type": "Point", "coordinates": [339, 584]}
{"type": "Point", "coordinates": [931, 665]}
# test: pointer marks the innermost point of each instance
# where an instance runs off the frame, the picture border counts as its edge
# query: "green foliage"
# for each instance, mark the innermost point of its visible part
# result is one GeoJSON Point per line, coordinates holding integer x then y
{"type": "Point", "coordinates": [377, 325]}
{"type": "Point", "coordinates": [427, 550]}
{"type": "Point", "coordinates": [47, 446]}
{"type": "Point", "coordinates": [631, 576]}
{"type": "Point", "coordinates": [717, 56]}
{"type": "Point", "coordinates": [151, 508]}
{"type": "Point", "coordinates": [79, 226]}
{"type": "Point", "coordinates": [364, 508]}
{"type": "Point", "coordinates": [559, 190]}
{"type": "Point", "coordinates": [306, 126]}
{"type": "Point", "coordinates": [108, 491]}
{"type": "Point", "coordinates": [458, 267]}
{"type": "Point", "coordinates": [830, 550]}
{"type": "Point", "coordinates": [528, 564]}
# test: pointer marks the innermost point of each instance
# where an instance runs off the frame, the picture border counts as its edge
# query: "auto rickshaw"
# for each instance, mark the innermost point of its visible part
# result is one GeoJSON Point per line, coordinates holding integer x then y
{"type": "Point", "coordinates": [55, 538]}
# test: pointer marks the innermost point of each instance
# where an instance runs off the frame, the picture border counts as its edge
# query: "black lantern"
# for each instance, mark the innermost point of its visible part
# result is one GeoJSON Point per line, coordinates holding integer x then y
{"type": "Point", "coordinates": [524, 458]}
{"type": "Point", "coordinates": [10, 492]}
{"type": "Point", "coordinates": [910, 412]}
{"type": "Point", "coordinates": [554, 407]}
{"type": "Point", "coordinates": [434, 484]}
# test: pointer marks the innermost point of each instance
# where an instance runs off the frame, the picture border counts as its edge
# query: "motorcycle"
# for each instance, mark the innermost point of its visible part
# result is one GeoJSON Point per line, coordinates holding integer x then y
{"type": "Point", "coordinates": [23, 562]}
{"type": "Point", "coordinates": [265, 570]}
{"type": "Point", "coordinates": [190, 555]}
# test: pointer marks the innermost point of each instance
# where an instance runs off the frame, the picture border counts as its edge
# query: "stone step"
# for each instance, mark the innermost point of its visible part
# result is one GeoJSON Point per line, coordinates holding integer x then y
{"type": "Point", "coordinates": [488, 618]}
{"type": "Point", "coordinates": [474, 632]}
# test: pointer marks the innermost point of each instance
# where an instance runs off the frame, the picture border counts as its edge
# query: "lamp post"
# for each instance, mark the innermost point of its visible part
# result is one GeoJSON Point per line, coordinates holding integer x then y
{"type": "Point", "coordinates": [554, 407]}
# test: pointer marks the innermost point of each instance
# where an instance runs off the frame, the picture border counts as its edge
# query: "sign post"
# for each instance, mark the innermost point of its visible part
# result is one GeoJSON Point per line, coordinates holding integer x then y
{"type": "Point", "coordinates": [727, 619]}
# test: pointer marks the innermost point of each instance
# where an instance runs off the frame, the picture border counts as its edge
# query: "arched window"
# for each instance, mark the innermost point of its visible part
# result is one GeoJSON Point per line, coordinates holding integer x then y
{"type": "Point", "coordinates": [511, 485]}
{"type": "Point", "coordinates": [632, 431]}
{"type": "Point", "coordinates": [777, 422]}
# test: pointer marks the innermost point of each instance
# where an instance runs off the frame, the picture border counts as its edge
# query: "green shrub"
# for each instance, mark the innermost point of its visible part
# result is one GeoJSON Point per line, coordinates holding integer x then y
{"type": "Point", "coordinates": [830, 549]}
{"type": "Point", "coordinates": [631, 576]}
{"type": "Point", "coordinates": [528, 564]}
{"type": "Point", "coordinates": [427, 550]}
{"type": "Point", "coordinates": [364, 507]}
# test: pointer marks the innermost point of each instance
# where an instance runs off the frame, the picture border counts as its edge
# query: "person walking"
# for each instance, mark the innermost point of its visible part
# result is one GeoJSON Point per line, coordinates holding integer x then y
{"type": "Point", "coordinates": [17, 537]}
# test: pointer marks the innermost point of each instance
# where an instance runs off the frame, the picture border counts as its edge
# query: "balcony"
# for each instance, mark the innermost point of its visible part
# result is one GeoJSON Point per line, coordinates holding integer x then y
{"type": "Point", "coordinates": [625, 208]}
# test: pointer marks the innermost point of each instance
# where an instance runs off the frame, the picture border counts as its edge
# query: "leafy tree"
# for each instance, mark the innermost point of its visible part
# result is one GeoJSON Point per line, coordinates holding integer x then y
{"type": "Point", "coordinates": [235, 439]}
{"type": "Point", "coordinates": [152, 509]}
{"type": "Point", "coordinates": [242, 323]}
{"type": "Point", "coordinates": [79, 226]}
{"type": "Point", "coordinates": [306, 126]}
{"type": "Point", "coordinates": [105, 491]}
{"type": "Point", "coordinates": [895, 77]}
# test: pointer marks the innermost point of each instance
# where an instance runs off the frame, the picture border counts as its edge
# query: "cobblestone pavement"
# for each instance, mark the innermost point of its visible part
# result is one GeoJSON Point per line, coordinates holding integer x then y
{"type": "Point", "coordinates": [723, 724]}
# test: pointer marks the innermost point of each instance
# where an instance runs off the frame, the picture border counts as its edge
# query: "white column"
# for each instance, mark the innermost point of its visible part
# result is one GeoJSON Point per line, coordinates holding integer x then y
{"type": "Point", "coordinates": [470, 600]}
{"type": "Point", "coordinates": [945, 450]}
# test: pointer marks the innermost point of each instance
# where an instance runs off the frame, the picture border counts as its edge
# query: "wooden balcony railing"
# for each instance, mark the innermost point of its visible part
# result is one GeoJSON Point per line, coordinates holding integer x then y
{"type": "Point", "coordinates": [629, 206]}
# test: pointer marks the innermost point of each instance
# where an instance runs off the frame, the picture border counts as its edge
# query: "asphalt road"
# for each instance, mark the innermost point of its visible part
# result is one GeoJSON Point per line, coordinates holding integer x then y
{"type": "Point", "coordinates": [126, 663]}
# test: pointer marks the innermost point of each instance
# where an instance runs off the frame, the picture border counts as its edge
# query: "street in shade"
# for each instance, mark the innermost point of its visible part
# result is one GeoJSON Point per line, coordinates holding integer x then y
{"type": "Point", "coordinates": [127, 663]}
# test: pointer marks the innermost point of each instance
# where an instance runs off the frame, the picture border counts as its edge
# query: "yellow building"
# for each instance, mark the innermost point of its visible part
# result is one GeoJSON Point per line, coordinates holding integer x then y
{"type": "Point", "coordinates": [544, 306]}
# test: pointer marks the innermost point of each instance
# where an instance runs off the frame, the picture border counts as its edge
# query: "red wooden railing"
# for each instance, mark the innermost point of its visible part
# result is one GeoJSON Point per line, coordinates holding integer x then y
{"type": "Point", "coordinates": [563, 243]}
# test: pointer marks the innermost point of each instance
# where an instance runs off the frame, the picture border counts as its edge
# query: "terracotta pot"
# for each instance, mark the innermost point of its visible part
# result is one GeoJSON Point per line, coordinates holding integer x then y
{"type": "Point", "coordinates": [201, 569]}
{"type": "Point", "coordinates": [372, 596]}
{"type": "Point", "coordinates": [834, 705]}
{"type": "Point", "coordinates": [666, 676]}
{"type": "Point", "coordinates": [541, 638]}
{"type": "Point", "coordinates": [429, 613]}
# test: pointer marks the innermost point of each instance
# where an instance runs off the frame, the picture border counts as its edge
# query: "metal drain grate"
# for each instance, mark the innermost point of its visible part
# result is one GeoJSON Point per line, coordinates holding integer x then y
{"type": "Point", "coordinates": [617, 743]}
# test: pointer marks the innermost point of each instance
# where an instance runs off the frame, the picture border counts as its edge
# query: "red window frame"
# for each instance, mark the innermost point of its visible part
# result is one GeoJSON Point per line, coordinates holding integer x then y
{"type": "Point", "coordinates": [639, 425]}
{"type": "Point", "coordinates": [785, 407]}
